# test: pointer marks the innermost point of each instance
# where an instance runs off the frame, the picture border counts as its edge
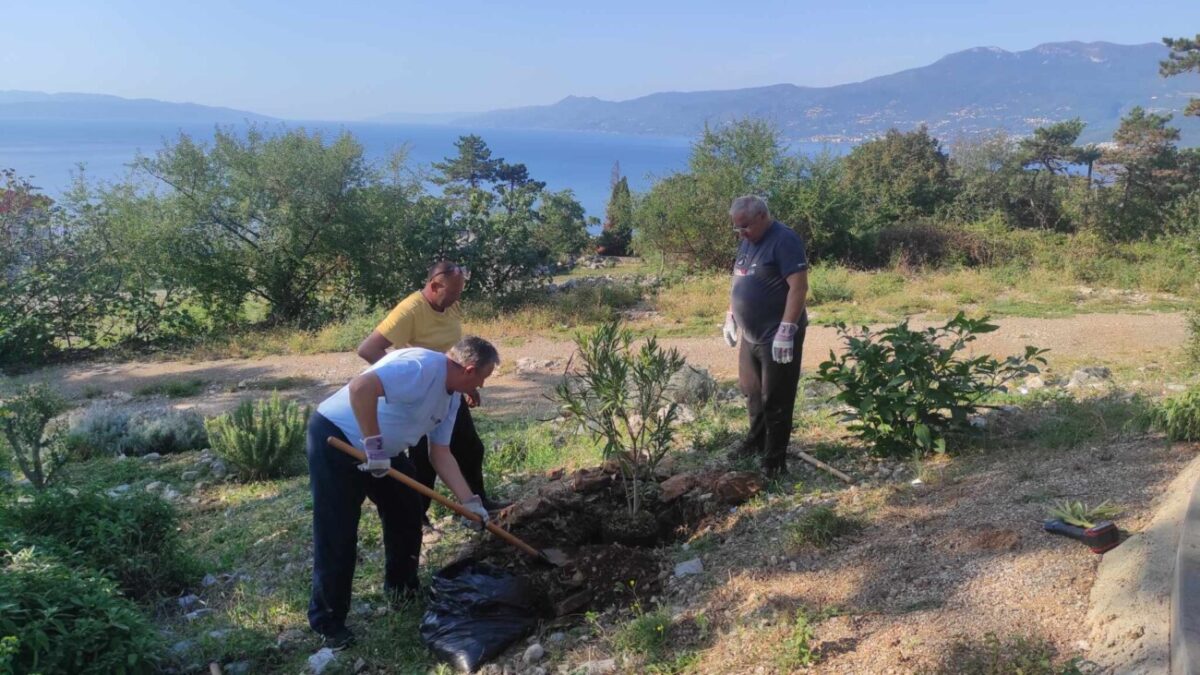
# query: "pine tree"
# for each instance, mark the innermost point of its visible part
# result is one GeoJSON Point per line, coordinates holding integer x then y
{"type": "Point", "coordinates": [1184, 58]}
{"type": "Point", "coordinates": [618, 223]}
{"type": "Point", "coordinates": [473, 166]}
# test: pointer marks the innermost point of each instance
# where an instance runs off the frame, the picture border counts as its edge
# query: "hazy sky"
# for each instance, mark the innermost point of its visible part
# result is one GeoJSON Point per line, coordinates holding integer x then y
{"type": "Point", "coordinates": [348, 59]}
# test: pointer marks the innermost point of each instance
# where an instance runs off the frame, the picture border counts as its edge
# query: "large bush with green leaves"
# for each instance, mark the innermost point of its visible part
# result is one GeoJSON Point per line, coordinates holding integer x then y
{"type": "Point", "coordinates": [905, 389]}
{"type": "Point", "coordinates": [32, 440]}
{"type": "Point", "coordinates": [620, 396]}
{"type": "Point", "coordinates": [133, 539]}
{"type": "Point", "coordinates": [261, 439]}
{"type": "Point", "coordinates": [56, 618]}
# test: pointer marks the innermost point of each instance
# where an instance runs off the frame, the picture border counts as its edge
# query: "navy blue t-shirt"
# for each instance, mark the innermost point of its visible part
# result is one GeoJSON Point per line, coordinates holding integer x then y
{"type": "Point", "coordinates": [759, 291]}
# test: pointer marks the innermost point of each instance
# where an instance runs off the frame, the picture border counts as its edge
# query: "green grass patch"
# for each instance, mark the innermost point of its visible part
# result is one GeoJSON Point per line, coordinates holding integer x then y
{"type": "Point", "coordinates": [820, 526]}
{"type": "Point", "coordinates": [172, 388]}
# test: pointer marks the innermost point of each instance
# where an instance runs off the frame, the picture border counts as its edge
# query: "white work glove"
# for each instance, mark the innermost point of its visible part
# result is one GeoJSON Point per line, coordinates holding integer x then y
{"type": "Point", "coordinates": [730, 330]}
{"type": "Point", "coordinates": [475, 505]}
{"type": "Point", "coordinates": [378, 461]}
{"type": "Point", "coordinates": [783, 345]}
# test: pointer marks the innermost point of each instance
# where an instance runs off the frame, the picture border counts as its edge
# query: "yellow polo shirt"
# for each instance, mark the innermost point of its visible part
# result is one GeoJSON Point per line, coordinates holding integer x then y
{"type": "Point", "coordinates": [413, 323]}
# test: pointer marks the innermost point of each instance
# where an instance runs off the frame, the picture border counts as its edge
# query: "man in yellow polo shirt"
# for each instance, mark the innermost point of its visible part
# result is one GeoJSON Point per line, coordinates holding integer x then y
{"type": "Point", "coordinates": [432, 318]}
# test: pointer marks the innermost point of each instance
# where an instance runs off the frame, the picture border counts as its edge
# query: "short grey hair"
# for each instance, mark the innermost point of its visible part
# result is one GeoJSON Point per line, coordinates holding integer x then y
{"type": "Point", "coordinates": [474, 351]}
{"type": "Point", "coordinates": [750, 205]}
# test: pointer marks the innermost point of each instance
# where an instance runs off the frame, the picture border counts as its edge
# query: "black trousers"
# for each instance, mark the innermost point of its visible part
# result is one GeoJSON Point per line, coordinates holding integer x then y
{"type": "Point", "coordinates": [338, 489]}
{"type": "Point", "coordinates": [770, 390]}
{"type": "Point", "coordinates": [467, 448]}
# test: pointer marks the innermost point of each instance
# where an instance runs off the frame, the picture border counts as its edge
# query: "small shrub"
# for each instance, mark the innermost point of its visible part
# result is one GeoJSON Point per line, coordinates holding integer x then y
{"type": "Point", "coordinates": [58, 619]}
{"type": "Point", "coordinates": [820, 527]}
{"type": "Point", "coordinates": [797, 649]}
{"type": "Point", "coordinates": [134, 539]}
{"type": "Point", "coordinates": [620, 397]}
{"type": "Point", "coordinates": [1081, 515]}
{"type": "Point", "coordinates": [172, 388]}
{"type": "Point", "coordinates": [25, 427]}
{"type": "Point", "coordinates": [99, 431]}
{"type": "Point", "coordinates": [168, 431]}
{"type": "Point", "coordinates": [263, 439]}
{"type": "Point", "coordinates": [993, 656]}
{"type": "Point", "coordinates": [1178, 416]}
{"type": "Point", "coordinates": [907, 388]}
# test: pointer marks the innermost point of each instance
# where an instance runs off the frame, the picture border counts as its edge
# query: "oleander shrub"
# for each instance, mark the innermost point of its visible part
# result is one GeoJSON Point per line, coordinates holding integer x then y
{"type": "Point", "coordinates": [56, 618]}
{"type": "Point", "coordinates": [133, 538]}
{"type": "Point", "coordinates": [261, 439]}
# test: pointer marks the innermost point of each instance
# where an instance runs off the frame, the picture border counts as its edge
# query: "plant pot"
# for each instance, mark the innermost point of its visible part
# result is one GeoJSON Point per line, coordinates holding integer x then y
{"type": "Point", "coordinates": [1103, 536]}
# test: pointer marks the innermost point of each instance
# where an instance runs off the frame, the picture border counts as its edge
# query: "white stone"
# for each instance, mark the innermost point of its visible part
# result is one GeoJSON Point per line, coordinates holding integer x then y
{"type": "Point", "coordinates": [317, 663]}
{"type": "Point", "coordinates": [598, 667]}
{"type": "Point", "coordinates": [151, 457]}
{"type": "Point", "coordinates": [533, 654]}
{"type": "Point", "coordinates": [693, 566]}
{"type": "Point", "coordinates": [154, 486]}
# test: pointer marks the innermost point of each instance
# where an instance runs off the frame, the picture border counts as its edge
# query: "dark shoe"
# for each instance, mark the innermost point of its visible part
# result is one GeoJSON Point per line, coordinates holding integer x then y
{"type": "Point", "coordinates": [774, 468]}
{"type": "Point", "coordinates": [494, 506]}
{"type": "Point", "coordinates": [338, 640]}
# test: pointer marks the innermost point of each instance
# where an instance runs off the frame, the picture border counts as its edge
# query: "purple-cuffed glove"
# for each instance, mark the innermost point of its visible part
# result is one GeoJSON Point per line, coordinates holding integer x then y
{"type": "Point", "coordinates": [784, 343]}
{"type": "Point", "coordinates": [730, 330]}
{"type": "Point", "coordinates": [378, 461]}
{"type": "Point", "coordinates": [475, 505]}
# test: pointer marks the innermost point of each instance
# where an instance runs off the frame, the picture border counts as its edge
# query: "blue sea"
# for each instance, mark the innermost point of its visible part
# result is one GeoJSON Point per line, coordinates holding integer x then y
{"type": "Point", "coordinates": [48, 151]}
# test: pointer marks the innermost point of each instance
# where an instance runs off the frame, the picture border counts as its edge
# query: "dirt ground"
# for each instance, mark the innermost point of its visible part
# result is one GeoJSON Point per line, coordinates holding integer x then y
{"type": "Point", "coordinates": [1104, 338]}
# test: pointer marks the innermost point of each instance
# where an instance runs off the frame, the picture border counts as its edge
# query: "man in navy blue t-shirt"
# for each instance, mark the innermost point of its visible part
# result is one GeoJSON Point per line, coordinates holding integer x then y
{"type": "Point", "coordinates": [767, 303]}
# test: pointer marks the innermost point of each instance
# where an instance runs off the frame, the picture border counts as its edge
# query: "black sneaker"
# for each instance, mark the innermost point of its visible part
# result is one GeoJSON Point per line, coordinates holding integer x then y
{"type": "Point", "coordinates": [338, 639]}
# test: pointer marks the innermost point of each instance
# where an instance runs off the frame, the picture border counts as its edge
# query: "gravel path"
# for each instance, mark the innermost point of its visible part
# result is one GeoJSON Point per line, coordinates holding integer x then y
{"type": "Point", "coordinates": [1101, 338]}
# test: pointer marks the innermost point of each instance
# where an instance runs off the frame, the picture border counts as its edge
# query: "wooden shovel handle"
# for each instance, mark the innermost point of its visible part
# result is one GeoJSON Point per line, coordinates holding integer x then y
{"type": "Point", "coordinates": [437, 497]}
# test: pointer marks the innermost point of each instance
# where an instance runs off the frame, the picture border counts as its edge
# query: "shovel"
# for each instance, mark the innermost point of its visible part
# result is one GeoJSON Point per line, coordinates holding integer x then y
{"type": "Point", "coordinates": [552, 556]}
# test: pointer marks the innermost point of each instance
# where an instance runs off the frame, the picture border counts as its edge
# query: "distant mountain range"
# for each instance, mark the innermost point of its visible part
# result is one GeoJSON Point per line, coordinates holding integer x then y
{"type": "Point", "coordinates": [16, 105]}
{"type": "Point", "coordinates": [963, 94]}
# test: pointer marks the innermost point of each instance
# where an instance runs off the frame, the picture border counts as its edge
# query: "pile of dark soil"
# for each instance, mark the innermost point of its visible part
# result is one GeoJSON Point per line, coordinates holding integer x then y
{"type": "Point", "coordinates": [613, 557]}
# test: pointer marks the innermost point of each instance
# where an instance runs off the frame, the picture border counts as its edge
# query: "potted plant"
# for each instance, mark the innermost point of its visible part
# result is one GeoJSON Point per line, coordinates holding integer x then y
{"type": "Point", "coordinates": [1091, 525]}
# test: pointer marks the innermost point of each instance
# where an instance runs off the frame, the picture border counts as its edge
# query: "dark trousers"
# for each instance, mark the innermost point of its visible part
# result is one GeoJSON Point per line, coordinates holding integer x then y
{"type": "Point", "coordinates": [338, 489]}
{"type": "Point", "coordinates": [467, 448]}
{"type": "Point", "coordinates": [770, 390]}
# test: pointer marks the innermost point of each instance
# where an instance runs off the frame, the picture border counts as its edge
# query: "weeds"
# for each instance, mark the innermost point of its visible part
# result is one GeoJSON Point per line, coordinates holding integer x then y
{"type": "Point", "coordinates": [820, 527]}
{"type": "Point", "coordinates": [1177, 416]}
{"type": "Point", "coordinates": [797, 649]}
{"type": "Point", "coordinates": [993, 656]}
{"type": "Point", "coordinates": [31, 438]}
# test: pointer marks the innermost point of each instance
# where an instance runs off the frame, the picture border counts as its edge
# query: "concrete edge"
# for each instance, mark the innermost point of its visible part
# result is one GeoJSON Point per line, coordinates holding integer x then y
{"type": "Point", "coordinates": [1185, 593]}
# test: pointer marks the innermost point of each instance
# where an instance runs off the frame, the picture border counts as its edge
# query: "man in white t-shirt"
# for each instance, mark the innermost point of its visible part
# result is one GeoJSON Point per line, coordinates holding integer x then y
{"type": "Point", "coordinates": [407, 394]}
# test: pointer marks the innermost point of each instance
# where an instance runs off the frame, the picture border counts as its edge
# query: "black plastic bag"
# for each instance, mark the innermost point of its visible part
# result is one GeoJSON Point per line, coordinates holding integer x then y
{"type": "Point", "coordinates": [475, 612]}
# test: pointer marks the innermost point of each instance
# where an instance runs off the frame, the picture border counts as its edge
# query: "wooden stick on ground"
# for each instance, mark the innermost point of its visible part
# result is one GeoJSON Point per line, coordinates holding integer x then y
{"type": "Point", "coordinates": [825, 467]}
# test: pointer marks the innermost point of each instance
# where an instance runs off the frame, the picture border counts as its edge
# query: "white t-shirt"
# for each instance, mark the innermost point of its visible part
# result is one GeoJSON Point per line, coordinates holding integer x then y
{"type": "Point", "coordinates": [415, 401]}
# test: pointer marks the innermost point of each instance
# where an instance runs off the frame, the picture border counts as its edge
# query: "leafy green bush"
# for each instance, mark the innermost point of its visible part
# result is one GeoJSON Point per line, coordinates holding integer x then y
{"type": "Point", "coordinates": [828, 284]}
{"type": "Point", "coordinates": [1178, 416]}
{"type": "Point", "coordinates": [25, 426]}
{"type": "Point", "coordinates": [797, 649]}
{"type": "Point", "coordinates": [620, 397]}
{"type": "Point", "coordinates": [820, 527]}
{"type": "Point", "coordinates": [59, 619]}
{"type": "Point", "coordinates": [647, 634]}
{"type": "Point", "coordinates": [134, 539]}
{"type": "Point", "coordinates": [263, 439]}
{"type": "Point", "coordinates": [907, 388]}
